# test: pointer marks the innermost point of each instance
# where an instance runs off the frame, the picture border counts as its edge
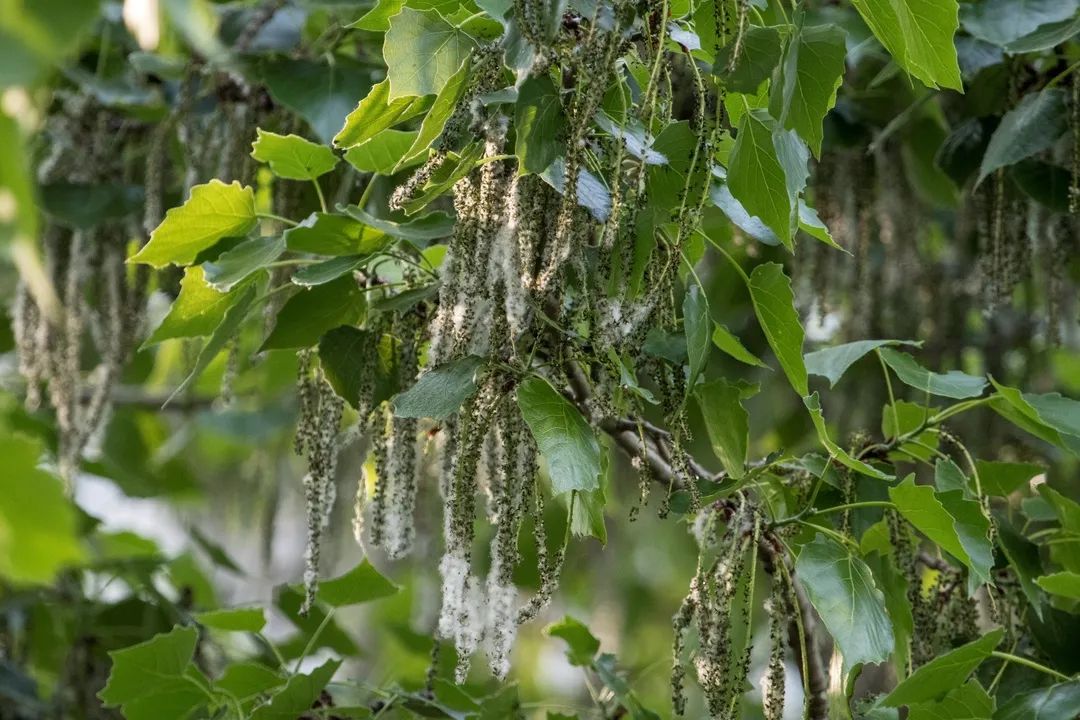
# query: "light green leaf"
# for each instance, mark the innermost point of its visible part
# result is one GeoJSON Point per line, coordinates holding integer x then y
{"type": "Point", "coordinates": [298, 695]}
{"type": "Point", "coordinates": [232, 266]}
{"type": "Point", "coordinates": [954, 523]}
{"type": "Point", "coordinates": [967, 702]}
{"type": "Point", "coordinates": [452, 169]}
{"type": "Point", "coordinates": [582, 646]}
{"type": "Point", "coordinates": [360, 585]}
{"type": "Point", "coordinates": [155, 673]}
{"type": "Point", "coordinates": [422, 52]}
{"type": "Point", "coordinates": [764, 173]}
{"type": "Point", "coordinates": [309, 313]}
{"type": "Point", "coordinates": [223, 333]}
{"type": "Point", "coordinates": [565, 439]}
{"type": "Point", "coordinates": [809, 77]}
{"type": "Point", "coordinates": [212, 212]}
{"type": "Point", "coordinates": [539, 123]}
{"type": "Point", "coordinates": [944, 673]}
{"type": "Point", "coordinates": [435, 121]}
{"type": "Point", "coordinates": [919, 35]}
{"type": "Point", "coordinates": [291, 156]}
{"type": "Point", "coordinates": [440, 391]}
{"type": "Point", "coordinates": [382, 153]}
{"type": "Point", "coordinates": [38, 525]}
{"type": "Point", "coordinates": [774, 304]}
{"type": "Point", "coordinates": [833, 362]}
{"type": "Point", "coordinates": [335, 235]}
{"type": "Point", "coordinates": [375, 113]}
{"type": "Point", "coordinates": [696, 324]}
{"type": "Point", "coordinates": [727, 423]}
{"type": "Point", "coordinates": [841, 588]}
{"type": "Point", "coordinates": [233, 619]}
{"type": "Point", "coordinates": [1057, 702]}
{"type": "Point", "coordinates": [1000, 22]}
{"type": "Point", "coordinates": [729, 343]}
{"type": "Point", "coordinates": [1034, 125]}
{"type": "Point", "coordinates": [1065, 584]}
{"type": "Point", "coordinates": [197, 310]}
{"type": "Point", "coordinates": [953, 384]}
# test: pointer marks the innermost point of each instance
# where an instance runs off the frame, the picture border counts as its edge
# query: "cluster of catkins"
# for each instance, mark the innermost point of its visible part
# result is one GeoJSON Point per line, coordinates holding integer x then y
{"type": "Point", "coordinates": [97, 304]}
{"type": "Point", "coordinates": [727, 534]}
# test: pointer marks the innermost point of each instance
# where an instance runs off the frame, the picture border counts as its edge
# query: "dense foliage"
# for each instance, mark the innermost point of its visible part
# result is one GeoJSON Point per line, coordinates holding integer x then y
{"type": "Point", "coordinates": [480, 314]}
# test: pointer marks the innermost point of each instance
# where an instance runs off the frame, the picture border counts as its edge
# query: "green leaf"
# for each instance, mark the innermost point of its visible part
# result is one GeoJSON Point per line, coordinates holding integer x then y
{"type": "Point", "coordinates": [1034, 125]}
{"type": "Point", "coordinates": [1065, 584]}
{"type": "Point", "coordinates": [774, 304]}
{"type": "Point", "coordinates": [696, 324]}
{"type": "Point", "coordinates": [842, 590]}
{"type": "Point", "coordinates": [809, 77]}
{"type": "Point", "coordinates": [833, 362]}
{"type": "Point", "coordinates": [338, 352]}
{"type": "Point", "coordinates": [88, 205]}
{"type": "Point", "coordinates": [944, 673]}
{"type": "Point", "coordinates": [729, 343]}
{"type": "Point", "coordinates": [247, 681]}
{"type": "Point", "coordinates": [310, 313]}
{"type": "Point", "coordinates": [333, 234]}
{"type": "Point", "coordinates": [382, 153]}
{"type": "Point", "coordinates": [320, 91]}
{"type": "Point", "coordinates": [813, 406]}
{"type": "Point", "coordinates": [948, 476]}
{"type": "Point", "coordinates": [38, 524]}
{"type": "Point", "coordinates": [212, 212]}
{"type": "Point", "coordinates": [233, 619]}
{"type": "Point", "coordinates": [919, 35]}
{"type": "Point", "coordinates": [298, 695]}
{"type": "Point", "coordinates": [197, 310]}
{"type": "Point", "coordinates": [375, 113]}
{"type": "Point", "coordinates": [328, 270]}
{"type": "Point", "coordinates": [967, 702]}
{"type": "Point", "coordinates": [155, 679]}
{"type": "Point", "coordinates": [565, 439]}
{"type": "Point", "coordinates": [422, 52]}
{"type": "Point", "coordinates": [726, 422]}
{"type": "Point", "coordinates": [223, 333]}
{"type": "Point", "coordinates": [1013, 405]}
{"type": "Point", "coordinates": [766, 172]}
{"type": "Point", "coordinates": [954, 523]}
{"type": "Point", "coordinates": [233, 266]}
{"type": "Point", "coordinates": [291, 156]}
{"type": "Point", "coordinates": [1066, 509]}
{"type": "Point", "coordinates": [360, 585]}
{"type": "Point", "coordinates": [759, 54]}
{"type": "Point", "coordinates": [1045, 37]}
{"type": "Point", "coordinates": [433, 226]}
{"type": "Point", "coordinates": [435, 121]}
{"type": "Point", "coordinates": [582, 646]}
{"type": "Point", "coordinates": [452, 169]}
{"type": "Point", "coordinates": [1005, 478]}
{"type": "Point", "coordinates": [1057, 702]}
{"type": "Point", "coordinates": [1000, 22]}
{"type": "Point", "coordinates": [592, 193]}
{"type": "Point", "coordinates": [539, 123]}
{"type": "Point", "coordinates": [953, 384]}
{"type": "Point", "coordinates": [440, 391]}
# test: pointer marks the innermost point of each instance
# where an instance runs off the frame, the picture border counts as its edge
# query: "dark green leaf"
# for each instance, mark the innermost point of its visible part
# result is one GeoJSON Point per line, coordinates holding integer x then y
{"type": "Point", "coordinates": [730, 344]}
{"type": "Point", "coordinates": [298, 695]}
{"type": "Point", "coordinates": [439, 392]}
{"type": "Point", "coordinates": [592, 194]}
{"type": "Point", "coordinates": [321, 92]}
{"type": "Point", "coordinates": [375, 113]}
{"type": "Point", "coordinates": [338, 352]}
{"type": "Point", "coordinates": [766, 172]}
{"type": "Point", "coordinates": [86, 206]}
{"type": "Point", "coordinates": [696, 325]}
{"type": "Point", "coordinates": [967, 702]}
{"type": "Point", "coordinates": [1001, 22]}
{"type": "Point", "coordinates": [565, 439]}
{"type": "Point", "coordinates": [433, 226]}
{"type": "Point", "coordinates": [759, 54]}
{"type": "Point", "coordinates": [382, 153]}
{"type": "Point", "coordinates": [1005, 478]}
{"type": "Point", "coordinates": [809, 77]}
{"type": "Point", "coordinates": [157, 672]}
{"type": "Point", "coordinates": [333, 234]}
{"type": "Point", "coordinates": [774, 305]}
{"type": "Point", "coordinates": [328, 270]}
{"type": "Point", "coordinates": [310, 313]}
{"type": "Point", "coordinates": [1057, 702]}
{"type": "Point", "coordinates": [232, 266]}
{"type": "Point", "coordinates": [1034, 125]}
{"type": "Point", "coordinates": [539, 124]}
